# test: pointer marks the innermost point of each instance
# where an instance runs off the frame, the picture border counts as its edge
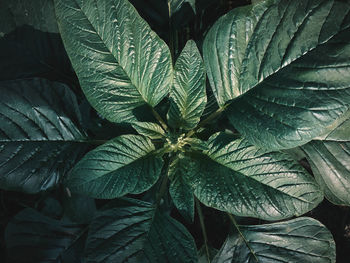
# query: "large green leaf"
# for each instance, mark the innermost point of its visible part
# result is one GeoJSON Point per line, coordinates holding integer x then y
{"type": "Point", "coordinates": [40, 136]}
{"type": "Point", "coordinates": [34, 238]}
{"type": "Point", "coordinates": [299, 240]}
{"type": "Point", "coordinates": [188, 96]}
{"type": "Point", "coordinates": [234, 176]}
{"type": "Point", "coordinates": [120, 62]}
{"type": "Point", "coordinates": [134, 231]}
{"type": "Point", "coordinates": [126, 164]}
{"type": "Point", "coordinates": [330, 162]}
{"type": "Point", "coordinates": [272, 58]}
{"type": "Point", "coordinates": [180, 190]}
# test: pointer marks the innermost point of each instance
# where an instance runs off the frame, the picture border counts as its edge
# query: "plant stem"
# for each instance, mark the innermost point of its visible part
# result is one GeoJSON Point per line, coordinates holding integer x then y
{"type": "Point", "coordinates": [233, 220]}
{"type": "Point", "coordinates": [159, 119]}
{"type": "Point", "coordinates": [204, 232]}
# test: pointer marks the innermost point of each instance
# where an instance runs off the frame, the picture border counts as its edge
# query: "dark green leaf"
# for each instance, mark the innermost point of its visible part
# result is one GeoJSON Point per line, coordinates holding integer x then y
{"type": "Point", "coordinates": [34, 238]}
{"type": "Point", "coordinates": [187, 96]}
{"type": "Point", "coordinates": [330, 162]}
{"type": "Point", "coordinates": [126, 164]}
{"type": "Point", "coordinates": [234, 176]}
{"type": "Point", "coordinates": [176, 5]}
{"type": "Point", "coordinates": [272, 58]}
{"type": "Point", "coordinates": [180, 190]}
{"type": "Point", "coordinates": [40, 135]}
{"type": "Point", "coordinates": [149, 129]}
{"type": "Point", "coordinates": [27, 52]}
{"type": "Point", "coordinates": [39, 14]}
{"type": "Point", "coordinates": [120, 62]}
{"type": "Point", "coordinates": [79, 209]}
{"type": "Point", "coordinates": [134, 231]}
{"type": "Point", "coordinates": [299, 240]}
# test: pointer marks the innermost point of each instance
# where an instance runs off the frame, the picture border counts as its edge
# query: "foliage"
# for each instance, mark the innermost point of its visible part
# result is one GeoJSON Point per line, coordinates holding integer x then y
{"type": "Point", "coordinates": [160, 139]}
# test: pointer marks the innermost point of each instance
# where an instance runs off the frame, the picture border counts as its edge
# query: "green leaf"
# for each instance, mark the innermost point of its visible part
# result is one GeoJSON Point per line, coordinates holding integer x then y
{"type": "Point", "coordinates": [299, 240]}
{"type": "Point", "coordinates": [79, 209]}
{"type": "Point", "coordinates": [330, 162]}
{"type": "Point", "coordinates": [121, 63]}
{"type": "Point", "coordinates": [27, 52]}
{"type": "Point", "coordinates": [176, 5]}
{"type": "Point", "coordinates": [188, 97]}
{"type": "Point", "coordinates": [40, 136]}
{"type": "Point", "coordinates": [180, 190]}
{"type": "Point", "coordinates": [271, 58]}
{"type": "Point", "coordinates": [134, 231]}
{"type": "Point", "coordinates": [126, 164]}
{"type": "Point", "coordinates": [34, 238]}
{"type": "Point", "coordinates": [149, 129]}
{"type": "Point", "coordinates": [236, 177]}
{"type": "Point", "coordinates": [39, 14]}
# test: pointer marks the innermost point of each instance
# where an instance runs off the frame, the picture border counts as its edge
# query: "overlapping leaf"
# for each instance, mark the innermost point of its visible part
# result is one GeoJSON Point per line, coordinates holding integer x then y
{"type": "Point", "coordinates": [40, 135]}
{"type": "Point", "coordinates": [330, 162]}
{"type": "Point", "coordinates": [234, 176]}
{"type": "Point", "coordinates": [126, 164]}
{"type": "Point", "coordinates": [149, 129]}
{"type": "Point", "coordinates": [180, 190]}
{"type": "Point", "coordinates": [188, 96]}
{"type": "Point", "coordinates": [120, 62]}
{"type": "Point", "coordinates": [298, 240]}
{"type": "Point", "coordinates": [272, 58]}
{"type": "Point", "coordinates": [134, 231]}
{"type": "Point", "coordinates": [34, 238]}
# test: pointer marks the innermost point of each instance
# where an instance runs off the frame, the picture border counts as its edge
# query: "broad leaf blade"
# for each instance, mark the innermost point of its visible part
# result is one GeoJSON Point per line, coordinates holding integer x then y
{"type": "Point", "coordinates": [38, 238]}
{"type": "Point", "coordinates": [239, 178]}
{"type": "Point", "coordinates": [120, 62]}
{"type": "Point", "coordinates": [299, 240]}
{"type": "Point", "coordinates": [180, 190]}
{"type": "Point", "coordinates": [329, 159]}
{"type": "Point", "coordinates": [126, 164]}
{"type": "Point", "coordinates": [41, 137]}
{"type": "Point", "coordinates": [135, 231]}
{"type": "Point", "coordinates": [282, 53]}
{"type": "Point", "coordinates": [149, 129]}
{"type": "Point", "coordinates": [188, 97]}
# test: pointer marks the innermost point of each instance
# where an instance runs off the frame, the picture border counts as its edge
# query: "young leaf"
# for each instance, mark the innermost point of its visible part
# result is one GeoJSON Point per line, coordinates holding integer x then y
{"type": "Point", "coordinates": [180, 190]}
{"type": "Point", "coordinates": [149, 129]}
{"type": "Point", "coordinates": [134, 231]}
{"type": "Point", "coordinates": [120, 62]}
{"type": "Point", "coordinates": [329, 159]}
{"type": "Point", "coordinates": [188, 97]}
{"type": "Point", "coordinates": [239, 178]}
{"type": "Point", "coordinates": [272, 58]}
{"type": "Point", "coordinates": [39, 238]}
{"type": "Point", "coordinates": [126, 164]}
{"type": "Point", "coordinates": [299, 240]}
{"type": "Point", "coordinates": [40, 137]}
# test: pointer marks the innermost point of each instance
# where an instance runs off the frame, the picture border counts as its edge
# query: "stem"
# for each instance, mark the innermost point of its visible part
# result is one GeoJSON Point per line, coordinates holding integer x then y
{"type": "Point", "coordinates": [233, 220]}
{"type": "Point", "coordinates": [204, 232]}
{"type": "Point", "coordinates": [159, 119]}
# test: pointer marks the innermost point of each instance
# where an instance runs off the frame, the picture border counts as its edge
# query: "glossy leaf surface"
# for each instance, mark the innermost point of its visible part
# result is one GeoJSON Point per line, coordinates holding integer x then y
{"type": "Point", "coordinates": [271, 58]}
{"type": "Point", "coordinates": [40, 136]}
{"type": "Point", "coordinates": [34, 238]}
{"type": "Point", "coordinates": [126, 164]}
{"type": "Point", "coordinates": [120, 62]}
{"type": "Point", "coordinates": [299, 240]}
{"type": "Point", "coordinates": [330, 162]}
{"type": "Point", "coordinates": [234, 176]}
{"type": "Point", "coordinates": [134, 231]}
{"type": "Point", "coordinates": [187, 95]}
